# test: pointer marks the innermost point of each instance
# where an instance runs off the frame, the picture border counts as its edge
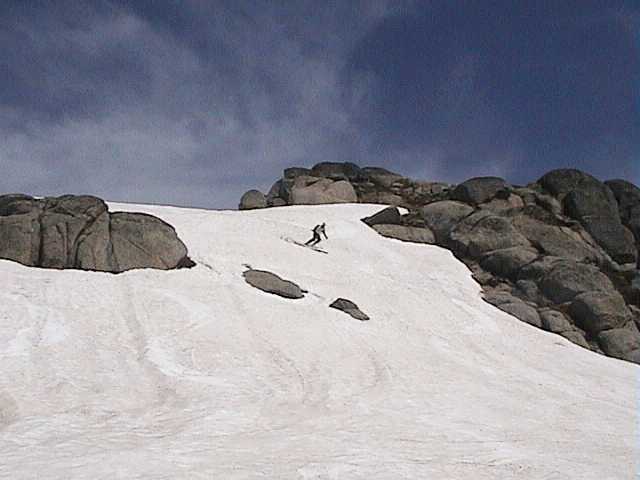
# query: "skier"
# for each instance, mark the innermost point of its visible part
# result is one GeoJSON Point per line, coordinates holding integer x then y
{"type": "Point", "coordinates": [317, 230]}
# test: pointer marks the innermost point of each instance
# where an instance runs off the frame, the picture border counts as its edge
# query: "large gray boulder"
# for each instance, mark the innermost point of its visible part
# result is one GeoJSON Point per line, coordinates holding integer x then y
{"type": "Point", "coordinates": [311, 191]}
{"type": "Point", "coordinates": [380, 176]}
{"type": "Point", "coordinates": [594, 205]}
{"type": "Point", "coordinates": [593, 208]}
{"type": "Point", "coordinates": [478, 190]}
{"type": "Point", "coordinates": [503, 206]}
{"type": "Point", "coordinates": [577, 337]}
{"type": "Point", "coordinates": [272, 283]}
{"type": "Point", "coordinates": [20, 229]}
{"type": "Point", "coordinates": [389, 216]}
{"type": "Point", "coordinates": [514, 306]}
{"type": "Point", "coordinates": [562, 181]}
{"type": "Point", "coordinates": [294, 172]}
{"type": "Point", "coordinates": [442, 216]}
{"type": "Point", "coordinates": [507, 262]}
{"type": "Point", "coordinates": [338, 171]}
{"type": "Point", "coordinates": [78, 232]}
{"type": "Point", "coordinates": [144, 241]}
{"type": "Point", "coordinates": [252, 199]}
{"type": "Point", "coordinates": [406, 233]}
{"type": "Point", "coordinates": [557, 238]}
{"type": "Point", "coordinates": [566, 279]}
{"type": "Point", "coordinates": [555, 321]}
{"type": "Point", "coordinates": [628, 197]}
{"type": "Point", "coordinates": [623, 343]}
{"type": "Point", "coordinates": [598, 311]}
{"type": "Point", "coordinates": [523, 312]}
{"type": "Point", "coordinates": [484, 232]}
{"type": "Point", "coordinates": [63, 221]}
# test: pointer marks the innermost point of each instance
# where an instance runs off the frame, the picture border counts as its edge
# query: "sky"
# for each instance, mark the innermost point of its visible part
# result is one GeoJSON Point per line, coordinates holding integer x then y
{"type": "Point", "coordinates": [194, 102]}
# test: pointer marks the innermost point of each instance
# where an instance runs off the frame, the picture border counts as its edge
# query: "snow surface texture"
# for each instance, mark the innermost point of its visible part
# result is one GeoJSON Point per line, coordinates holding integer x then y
{"type": "Point", "coordinates": [193, 374]}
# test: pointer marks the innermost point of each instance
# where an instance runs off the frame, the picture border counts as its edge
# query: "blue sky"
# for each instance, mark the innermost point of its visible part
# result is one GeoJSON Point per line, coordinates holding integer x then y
{"type": "Point", "coordinates": [193, 102]}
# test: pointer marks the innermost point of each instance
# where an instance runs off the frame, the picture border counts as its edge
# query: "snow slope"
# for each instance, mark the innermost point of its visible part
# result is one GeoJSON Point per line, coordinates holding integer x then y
{"type": "Point", "coordinates": [193, 374]}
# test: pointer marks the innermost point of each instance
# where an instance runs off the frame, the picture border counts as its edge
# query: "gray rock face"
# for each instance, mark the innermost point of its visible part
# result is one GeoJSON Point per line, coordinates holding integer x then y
{"type": "Point", "coordinates": [528, 290]}
{"type": "Point", "coordinates": [78, 232]}
{"type": "Point", "coordinates": [507, 263]}
{"type": "Point", "coordinates": [538, 269]}
{"type": "Point", "coordinates": [20, 229]}
{"type": "Point", "coordinates": [523, 312]}
{"type": "Point", "coordinates": [478, 190]}
{"type": "Point", "coordinates": [564, 180]}
{"type": "Point", "coordinates": [294, 172]}
{"type": "Point", "coordinates": [321, 191]}
{"type": "Point", "coordinates": [272, 283]}
{"type": "Point", "coordinates": [597, 311]}
{"type": "Point", "coordinates": [503, 205]}
{"type": "Point", "coordinates": [555, 238]}
{"type": "Point", "coordinates": [484, 232]}
{"type": "Point", "coordinates": [62, 223]}
{"type": "Point", "coordinates": [442, 216]}
{"type": "Point", "coordinates": [514, 306]}
{"type": "Point", "coordinates": [563, 246]}
{"type": "Point", "coordinates": [144, 241]}
{"type": "Point", "coordinates": [350, 308]}
{"type": "Point", "coordinates": [555, 321]}
{"type": "Point", "coordinates": [381, 176]}
{"type": "Point", "coordinates": [567, 279]}
{"type": "Point", "coordinates": [406, 233]}
{"type": "Point", "coordinates": [623, 343]}
{"type": "Point", "coordinates": [576, 337]}
{"type": "Point", "coordinates": [593, 208]}
{"type": "Point", "coordinates": [252, 199]}
{"type": "Point", "coordinates": [338, 171]}
{"type": "Point", "coordinates": [389, 216]}
{"type": "Point", "coordinates": [594, 205]}
{"type": "Point", "coordinates": [627, 195]}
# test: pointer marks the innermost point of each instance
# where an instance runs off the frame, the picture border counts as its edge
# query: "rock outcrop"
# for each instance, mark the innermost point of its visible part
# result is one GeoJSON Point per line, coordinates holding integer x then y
{"type": "Point", "coordinates": [350, 308]}
{"type": "Point", "coordinates": [272, 283]}
{"type": "Point", "coordinates": [333, 182]}
{"type": "Point", "coordinates": [252, 199]}
{"type": "Point", "coordinates": [79, 232]}
{"type": "Point", "coordinates": [560, 253]}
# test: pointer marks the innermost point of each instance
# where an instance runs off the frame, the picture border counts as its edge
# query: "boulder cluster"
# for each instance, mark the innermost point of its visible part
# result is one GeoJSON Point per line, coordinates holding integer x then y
{"type": "Point", "coordinates": [331, 182]}
{"type": "Point", "coordinates": [560, 253]}
{"type": "Point", "coordinates": [79, 232]}
{"type": "Point", "coordinates": [273, 284]}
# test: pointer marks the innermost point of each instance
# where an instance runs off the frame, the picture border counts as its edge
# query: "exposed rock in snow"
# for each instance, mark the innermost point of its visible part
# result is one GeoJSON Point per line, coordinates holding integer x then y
{"type": "Point", "coordinates": [347, 306]}
{"type": "Point", "coordinates": [252, 199]}
{"type": "Point", "coordinates": [272, 283]}
{"type": "Point", "coordinates": [78, 232]}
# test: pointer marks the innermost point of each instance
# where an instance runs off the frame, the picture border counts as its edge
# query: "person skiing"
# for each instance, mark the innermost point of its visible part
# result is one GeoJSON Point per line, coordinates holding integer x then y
{"type": "Point", "coordinates": [317, 230]}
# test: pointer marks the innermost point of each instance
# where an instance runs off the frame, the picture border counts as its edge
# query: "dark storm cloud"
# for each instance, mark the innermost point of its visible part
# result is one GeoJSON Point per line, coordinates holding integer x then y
{"type": "Point", "coordinates": [194, 102]}
{"type": "Point", "coordinates": [520, 87]}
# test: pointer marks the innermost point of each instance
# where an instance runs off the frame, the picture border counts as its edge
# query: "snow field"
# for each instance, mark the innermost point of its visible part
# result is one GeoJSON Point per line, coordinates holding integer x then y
{"type": "Point", "coordinates": [194, 374]}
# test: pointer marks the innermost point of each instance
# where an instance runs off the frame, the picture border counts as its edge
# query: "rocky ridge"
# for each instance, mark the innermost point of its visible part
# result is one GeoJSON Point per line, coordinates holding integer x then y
{"type": "Point", "coordinates": [78, 232]}
{"type": "Point", "coordinates": [560, 253]}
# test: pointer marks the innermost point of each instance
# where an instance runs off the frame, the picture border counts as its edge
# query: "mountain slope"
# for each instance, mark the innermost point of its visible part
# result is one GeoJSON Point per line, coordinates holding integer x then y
{"type": "Point", "coordinates": [195, 374]}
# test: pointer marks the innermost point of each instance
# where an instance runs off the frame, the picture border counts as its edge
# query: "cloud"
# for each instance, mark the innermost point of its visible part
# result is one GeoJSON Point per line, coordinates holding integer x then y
{"type": "Point", "coordinates": [190, 106]}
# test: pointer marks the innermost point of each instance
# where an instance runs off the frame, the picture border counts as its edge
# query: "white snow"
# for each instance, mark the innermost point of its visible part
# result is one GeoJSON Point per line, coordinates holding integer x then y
{"type": "Point", "coordinates": [193, 374]}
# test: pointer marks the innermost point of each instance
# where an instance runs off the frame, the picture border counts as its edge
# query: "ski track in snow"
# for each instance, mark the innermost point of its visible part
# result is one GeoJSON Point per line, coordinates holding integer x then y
{"type": "Point", "coordinates": [193, 374]}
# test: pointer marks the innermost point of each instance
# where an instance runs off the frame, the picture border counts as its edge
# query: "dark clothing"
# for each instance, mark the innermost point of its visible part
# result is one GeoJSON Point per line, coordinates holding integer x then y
{"type": "Point", "coordinates": [317, 230]}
